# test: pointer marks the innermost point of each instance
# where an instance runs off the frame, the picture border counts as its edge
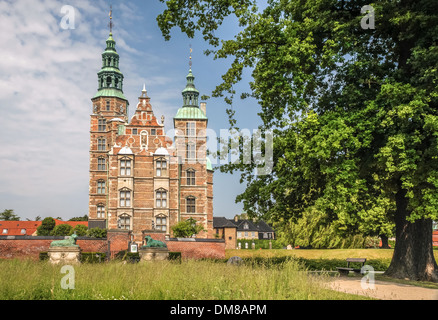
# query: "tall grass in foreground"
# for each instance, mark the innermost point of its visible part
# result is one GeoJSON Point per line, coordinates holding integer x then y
{"type": "Point", "coordinates": [190, 280]}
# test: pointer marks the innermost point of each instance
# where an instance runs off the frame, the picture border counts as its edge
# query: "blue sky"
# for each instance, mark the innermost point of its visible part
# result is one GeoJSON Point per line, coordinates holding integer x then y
{"type": "Point", "coordinates": [49, 74]}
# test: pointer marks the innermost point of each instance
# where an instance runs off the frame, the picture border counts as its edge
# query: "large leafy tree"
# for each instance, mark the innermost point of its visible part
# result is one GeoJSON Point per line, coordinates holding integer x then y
{"type": "Point", "coordinates": [9, 215]}
{"type": "Point", "coordinates": [354, 112]}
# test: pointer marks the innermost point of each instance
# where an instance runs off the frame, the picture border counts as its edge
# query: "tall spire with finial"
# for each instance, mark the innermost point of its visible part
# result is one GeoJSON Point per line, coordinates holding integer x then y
{"type": "Point", "coordinates": [190, 61]}
{"type": "Point", "coordinates": [110, 78]}
{"type": "Point", "coordinates": [111, 24]}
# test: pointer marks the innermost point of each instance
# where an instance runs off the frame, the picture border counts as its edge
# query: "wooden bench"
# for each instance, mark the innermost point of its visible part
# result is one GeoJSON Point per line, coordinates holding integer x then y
{"type": "Point", "coordinates": [345, 271]}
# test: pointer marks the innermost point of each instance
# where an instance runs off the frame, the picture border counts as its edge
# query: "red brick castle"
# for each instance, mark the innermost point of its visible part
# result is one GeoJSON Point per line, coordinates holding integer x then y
{"type": "Point", "coordinates": [140, 179]}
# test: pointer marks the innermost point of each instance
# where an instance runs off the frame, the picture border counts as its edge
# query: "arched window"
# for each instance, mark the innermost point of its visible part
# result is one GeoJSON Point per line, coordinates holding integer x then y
{"type": "Point", "coordinates": [125, 197]}
{"type": "Point", "coordinates": [191, 204]}
{"type": "Point", "coordinates": [161, 198]}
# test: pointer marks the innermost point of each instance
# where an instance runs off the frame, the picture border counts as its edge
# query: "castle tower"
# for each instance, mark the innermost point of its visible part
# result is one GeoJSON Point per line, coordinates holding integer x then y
{"type": "Point", "coordinates": [196, 190]}
{"type": "Point", "coordinates": [110, 107]}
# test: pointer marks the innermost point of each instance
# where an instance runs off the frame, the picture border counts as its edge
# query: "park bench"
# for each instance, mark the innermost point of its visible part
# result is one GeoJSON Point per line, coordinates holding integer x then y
{"type": "Point", "coordinates": [345, 271]}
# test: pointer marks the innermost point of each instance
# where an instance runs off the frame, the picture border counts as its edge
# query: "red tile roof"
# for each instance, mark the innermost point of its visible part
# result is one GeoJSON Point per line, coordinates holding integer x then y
{"type": "Point", "coordinates": [15, 228]}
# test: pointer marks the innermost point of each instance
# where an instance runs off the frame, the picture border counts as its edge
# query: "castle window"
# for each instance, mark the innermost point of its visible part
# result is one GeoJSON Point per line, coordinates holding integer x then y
{"type": "Point", "coordinates": [101, 186]}
{"type": "Point", "coordinates": [191, 129]}
{"type": "Point", "coordinates": [101, 144]}
{"type": "Point", "coordinates": [124, 222]}
{"type": "Point", "coordinates": [161, 198]}
{"type": "Point", "coordinates": [191, 152]}
{"type": "Point", "coordinates": [101, 164]}
{"type": "Point", "coordinates": [125, 198]}
{"type": "Point", "coordinates": [153, 132]}
{"type": "Point", "coordinates": [125, 167]}
{"type": "Point", "coordinates": [134, 131]}
{"type": "Point", "coordinates": [191, 177]}
{"type": "Point", "coordinates": [161, 223]}
{"type": "Point", "coordinates": [23, 231]}
{"type": "Point", "coordinates": [100, 211]}
{"type": "Point", "coordinates": [101, 125]}
{"type": "Point", "coordinates": [191, 204]}
{"type": "Point", "coordinates": [161, 167]}
{"type": "Point", "coordinates": [108, 107]}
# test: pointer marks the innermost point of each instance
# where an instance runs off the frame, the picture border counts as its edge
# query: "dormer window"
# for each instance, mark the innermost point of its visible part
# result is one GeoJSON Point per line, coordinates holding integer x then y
{"type": "Point", "coordinates": [245, 226]}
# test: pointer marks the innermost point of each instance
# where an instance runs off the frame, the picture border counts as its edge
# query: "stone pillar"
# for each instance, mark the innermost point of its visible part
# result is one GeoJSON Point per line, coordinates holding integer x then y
{"type": "Point", "coordinates": [64, 255]}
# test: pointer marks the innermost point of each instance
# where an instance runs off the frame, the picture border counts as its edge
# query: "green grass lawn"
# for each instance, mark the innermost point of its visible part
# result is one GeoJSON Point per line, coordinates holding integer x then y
{"type": "Point", "coordinates": [316, 253]}
{"type": "Point", "coordinates": [162, 280]}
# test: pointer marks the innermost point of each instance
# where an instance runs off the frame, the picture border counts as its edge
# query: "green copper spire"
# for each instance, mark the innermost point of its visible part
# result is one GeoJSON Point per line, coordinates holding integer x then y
{"type": "Point", "coordinates": [190, 93]}
{"type": "Point", "coordinates": [190, 108]}
{"type": "Point", "coordinates": [110, 77]}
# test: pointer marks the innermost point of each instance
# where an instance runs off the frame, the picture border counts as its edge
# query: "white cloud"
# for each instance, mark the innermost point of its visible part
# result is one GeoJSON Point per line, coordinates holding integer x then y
{"type": "Point", "coordinates": [45, 90]}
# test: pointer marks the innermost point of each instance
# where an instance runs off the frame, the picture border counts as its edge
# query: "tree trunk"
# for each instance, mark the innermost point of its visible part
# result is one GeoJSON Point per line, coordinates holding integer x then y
{"type": "Point", "coordinates": [413, 255]}
{"type": "Point", "coordinates": [385, 244]}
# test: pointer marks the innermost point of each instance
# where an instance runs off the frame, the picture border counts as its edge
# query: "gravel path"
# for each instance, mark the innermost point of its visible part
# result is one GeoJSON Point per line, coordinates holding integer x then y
{"type": "Point", "coordinates": [383, 290]}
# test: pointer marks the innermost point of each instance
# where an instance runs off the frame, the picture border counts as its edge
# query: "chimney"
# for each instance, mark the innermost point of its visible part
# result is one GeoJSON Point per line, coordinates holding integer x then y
{"type": "Point", "coordinates": [203, 106]}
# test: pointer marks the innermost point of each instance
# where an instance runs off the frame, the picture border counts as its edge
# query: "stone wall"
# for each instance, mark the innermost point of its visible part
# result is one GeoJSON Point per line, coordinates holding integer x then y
{"type": "Point", "coordinates": [198, 248]}
{"type": "Point", "coordinates": [29, 247]}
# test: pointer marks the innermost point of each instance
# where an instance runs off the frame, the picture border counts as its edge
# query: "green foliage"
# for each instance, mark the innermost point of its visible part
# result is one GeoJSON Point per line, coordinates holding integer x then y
{"type": "Point", "coordinates": [97, 232]}
{"type": "Point", "coordinates": [84, 218]}
{"type": "Point", "coordinates": [125, 255]}
{"type": "Point", "coordinates": [46, 227]}
{"type": "Point", "coordinates": [186, 228]}
{"type": "Point", "coordinates": [62, 230]}
{"type": "Point", "coordinates": [354, 111]}
{"type": "Point", "coordinates": [43, 256]}
{"type": "Point", "coordinates": [93, 257]}
{"type": "Point", "coordinates": [80, 230]}
{"type": "Point", "coordinates": [9, 215]}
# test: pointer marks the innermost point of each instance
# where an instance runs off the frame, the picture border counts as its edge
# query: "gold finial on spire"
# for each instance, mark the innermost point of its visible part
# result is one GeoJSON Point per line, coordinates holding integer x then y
{"type": "Point", "coordinates": [190, 62]}
{"type": "Point", "coordinates": [111, 24]}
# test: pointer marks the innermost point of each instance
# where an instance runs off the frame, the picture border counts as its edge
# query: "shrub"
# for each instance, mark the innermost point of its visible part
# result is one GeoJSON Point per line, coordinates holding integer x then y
{"type": "Point", "coordinates": [80, 230]}
{"type": "Point", "coordinates": [62, 230]}
{"type": "Point", "coordinates": [175, 256]}
{"type": "Point", "coordinates": [97, 232]}
{"type": "Point", "coordinates": [46, 227]}
{"type": "Point", "coordinates": [93, 257]}
{"type": "Point", "coordinates": [43, 256]}
{"type": "Point", "coordinates": [186, 228]}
